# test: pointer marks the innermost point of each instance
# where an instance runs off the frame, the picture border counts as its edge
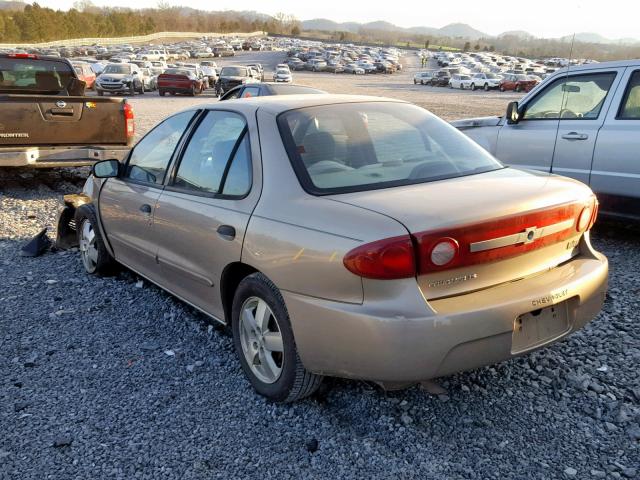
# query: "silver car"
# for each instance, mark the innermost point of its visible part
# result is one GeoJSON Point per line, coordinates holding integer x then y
{"type": "Point", "coordinates": [583, 123]}
{"type": "Point", "coordinates": [349, 236]}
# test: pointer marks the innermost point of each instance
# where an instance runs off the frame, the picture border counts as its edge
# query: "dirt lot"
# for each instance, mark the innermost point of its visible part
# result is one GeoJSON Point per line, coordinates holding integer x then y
{"type": "Point", "coordinates": [111, 378]}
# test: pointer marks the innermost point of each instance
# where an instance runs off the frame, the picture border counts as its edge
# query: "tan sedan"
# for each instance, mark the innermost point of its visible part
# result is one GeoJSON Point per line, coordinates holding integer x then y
{"type": "Point", "coordinates": [348, 236]}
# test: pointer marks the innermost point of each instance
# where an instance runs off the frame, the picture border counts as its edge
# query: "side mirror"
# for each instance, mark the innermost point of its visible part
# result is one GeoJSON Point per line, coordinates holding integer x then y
{"type": "Point", "coordinates": [513, 113]}
{"type": "Point", "coordinates": [106, 169]}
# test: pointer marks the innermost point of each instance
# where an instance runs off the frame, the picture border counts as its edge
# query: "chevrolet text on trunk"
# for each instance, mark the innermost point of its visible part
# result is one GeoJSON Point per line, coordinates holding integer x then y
{"type": "Point", "coordinates": [347, 236]}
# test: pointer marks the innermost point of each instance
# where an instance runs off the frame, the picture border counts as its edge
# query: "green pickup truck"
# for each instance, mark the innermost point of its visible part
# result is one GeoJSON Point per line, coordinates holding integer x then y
{"type": "Point", "coordinates": [46, 121]}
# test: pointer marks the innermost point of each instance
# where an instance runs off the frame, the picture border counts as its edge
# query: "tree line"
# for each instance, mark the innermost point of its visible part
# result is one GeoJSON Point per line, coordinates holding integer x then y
{"type": "Point", "coordinates": [34, 23]}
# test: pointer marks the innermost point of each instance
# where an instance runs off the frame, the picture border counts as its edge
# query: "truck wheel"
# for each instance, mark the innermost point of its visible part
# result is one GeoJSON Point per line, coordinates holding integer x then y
{"type": "Point", "coordinates": [264, 342]}
{"type": "Point", "coordinates": [95, 257]}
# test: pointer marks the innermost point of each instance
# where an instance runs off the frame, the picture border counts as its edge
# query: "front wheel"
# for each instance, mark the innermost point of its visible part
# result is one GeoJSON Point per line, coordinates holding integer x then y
{"type": "Point", "coordinates": [132, 90]}
{"type": "Point", "coordinates": [473, 87]}
{"type": "Point", "coordinates": [486, 87]}
{"type": "Point", "coordinates": [95, 257]}
{"type": "Point", "coordinates": [518, 88]}
{"type": "Point", "coordinates": [264, 342]}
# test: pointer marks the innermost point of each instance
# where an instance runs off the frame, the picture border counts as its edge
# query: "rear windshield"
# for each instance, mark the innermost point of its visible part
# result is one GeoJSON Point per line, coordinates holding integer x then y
{"type": "Point", "coordinates": [234, 72]}
{"type": "Point", "coordinates": [363, 146]}
{"type": "Point", "coordinates": [177, 71]}
{"type": "Point", "coordinates": [37, 76]}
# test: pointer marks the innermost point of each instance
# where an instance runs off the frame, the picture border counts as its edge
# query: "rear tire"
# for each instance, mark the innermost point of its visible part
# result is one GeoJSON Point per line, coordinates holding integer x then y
{"type": "Point", "coordinates": [132, 90]}
{"type": "Point", "coordinates": [95, 257]}
{"type": "Point", "coordinates": [258, 338]}
{"type": "Point", "coordinates": [518, 89]}
{"type": "Point", "coordinates": [162, 93]}
{"type": "Point", "coordinates": [502, 88]}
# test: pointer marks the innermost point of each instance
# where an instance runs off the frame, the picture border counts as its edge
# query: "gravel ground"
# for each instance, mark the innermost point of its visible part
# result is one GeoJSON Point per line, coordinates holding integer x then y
{"type": "Point", "coordinates": [112, 378]}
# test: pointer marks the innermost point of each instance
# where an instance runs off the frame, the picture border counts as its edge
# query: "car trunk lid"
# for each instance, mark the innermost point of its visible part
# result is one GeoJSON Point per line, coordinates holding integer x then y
{"type": "Point", "coordinates": [509, 224]}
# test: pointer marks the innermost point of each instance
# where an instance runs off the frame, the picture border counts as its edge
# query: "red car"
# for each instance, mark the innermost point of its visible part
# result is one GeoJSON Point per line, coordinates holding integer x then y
{"type": "Point", "coordinates": [179, 80]}
{"type": "Point", "coordinates": [518, 83]}
{"type": "Point", "coordinates": [84, 72]}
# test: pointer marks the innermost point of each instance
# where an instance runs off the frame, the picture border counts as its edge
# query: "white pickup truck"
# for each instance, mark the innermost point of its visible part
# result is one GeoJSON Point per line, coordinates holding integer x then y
{"type": "Point", "coordinates": [584, 123]}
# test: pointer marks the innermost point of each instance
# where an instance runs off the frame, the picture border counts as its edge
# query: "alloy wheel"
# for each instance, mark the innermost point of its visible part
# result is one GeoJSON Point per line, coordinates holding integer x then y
{"type": "Point", "coordinates": [261, 340]}
{"type": "Point", "coordinates": [88, 246]}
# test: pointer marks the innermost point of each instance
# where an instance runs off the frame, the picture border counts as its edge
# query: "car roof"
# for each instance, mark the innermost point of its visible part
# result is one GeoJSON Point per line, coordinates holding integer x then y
{"type": "Point", "coordinates": [277, 104]}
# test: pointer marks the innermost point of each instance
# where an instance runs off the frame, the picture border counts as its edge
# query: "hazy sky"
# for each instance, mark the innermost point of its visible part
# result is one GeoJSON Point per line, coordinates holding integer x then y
{"type": "Point", "coordinates": [547, 18]}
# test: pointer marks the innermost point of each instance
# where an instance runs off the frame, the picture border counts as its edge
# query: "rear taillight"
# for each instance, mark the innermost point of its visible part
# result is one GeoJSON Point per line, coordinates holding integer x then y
{"type": "Point", "coordinates": [387, 259]}
{"type": "Point", "coordinates": [594, 217]}
{"type": "Point", "coordinates": [463, 246]}
{"type": "Point", "coordinates": [129, 122]}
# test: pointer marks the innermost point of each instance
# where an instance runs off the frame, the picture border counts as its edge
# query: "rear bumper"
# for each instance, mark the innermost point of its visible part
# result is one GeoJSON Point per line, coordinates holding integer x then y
{"type": "Point", "coordinates": [375, 341]}
{"type": "Point", "coordinates": [46, 157]}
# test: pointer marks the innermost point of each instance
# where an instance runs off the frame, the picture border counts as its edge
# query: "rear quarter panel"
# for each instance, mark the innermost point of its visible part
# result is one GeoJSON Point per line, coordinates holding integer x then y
{"type": "Point", "coordinates": [298, 240]}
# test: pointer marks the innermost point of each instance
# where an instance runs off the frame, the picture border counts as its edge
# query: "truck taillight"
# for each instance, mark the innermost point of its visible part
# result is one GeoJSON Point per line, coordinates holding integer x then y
{"type": "Point", "coordinates": [129, 122]}
{"type": "Point", "coordinates": [23, 55]}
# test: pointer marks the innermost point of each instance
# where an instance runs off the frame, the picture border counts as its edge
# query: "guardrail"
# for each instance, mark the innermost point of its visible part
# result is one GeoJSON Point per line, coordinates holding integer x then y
{"type": "Point", "coordinates": [119, 40]}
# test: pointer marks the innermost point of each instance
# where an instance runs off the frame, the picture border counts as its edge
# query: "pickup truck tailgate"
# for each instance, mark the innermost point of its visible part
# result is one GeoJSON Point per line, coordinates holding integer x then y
{"type": "Point", "coordinates": [46, 120]}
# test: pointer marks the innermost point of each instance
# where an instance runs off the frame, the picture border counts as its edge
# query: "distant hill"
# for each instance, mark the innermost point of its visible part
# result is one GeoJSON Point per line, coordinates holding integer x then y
{"type": "Point", "coordinates": [455, 30]}
{"type": "Point", "coordinates": [19, 6]}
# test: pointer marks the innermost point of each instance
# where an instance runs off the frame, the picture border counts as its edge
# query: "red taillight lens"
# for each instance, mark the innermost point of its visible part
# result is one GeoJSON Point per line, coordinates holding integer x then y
{"type": "Point", "coordinates": [22, 55]}
{"type": "Point", "coordinates": [387, 259]}
{"type": "Point", "coordinates": [129, 120]}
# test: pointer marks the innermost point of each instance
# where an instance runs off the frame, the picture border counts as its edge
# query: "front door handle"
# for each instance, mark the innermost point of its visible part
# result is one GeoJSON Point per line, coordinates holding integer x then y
{"type": "Point", "coordinates": [145, 208]}
{"type": "Point", "coordinates": [226, 232]}
{"type": "Point", "coordinates": [575, 136]}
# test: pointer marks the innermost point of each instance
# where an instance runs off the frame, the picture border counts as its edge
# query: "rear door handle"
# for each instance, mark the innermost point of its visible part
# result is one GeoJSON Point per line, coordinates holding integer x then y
{"type": "Point", "coordinates": [575, 136]}
{"type": "Point", "coordinates": [226, 232]}
{"type": "Point", "coordinates": [145, 208]}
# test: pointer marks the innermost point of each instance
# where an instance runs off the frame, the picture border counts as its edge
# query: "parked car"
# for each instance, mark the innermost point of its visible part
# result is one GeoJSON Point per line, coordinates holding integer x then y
{"type": "Point", "coordinates": [158, 55]}
{"type": "Point", "coordinates": [120, 78]}
{"type": "Point", "coordinates": [517, 82]}
{"type": "Point", "coordinates": [232, 77]}
{"type": "Point", "coordinates": [583, 124]}
{"type": "Point", "coordinates": [211, 74]}
{"type": "Point", "coordinates": [85, 73]}
{"type": "Point", "coordinates": [295, 63]}
{"type": "Point", "coordinates": [334, 67]}
{"type": "Point", "coordinates": [282, 75]}
{"type": "Point", "coordinates": [354, 69]}
{"type": "Point", "coordinates": [486, 81]}
{"type": "Point", "coordinates": [48, 122]}
{"type": "Point", "coordinates": [180, 80]}
{"type": "Point", "coordinates": [423, 78]}
{"type": "Point", "coordinates": [319, 250]}
{"type": "Point", "coordinates": [441, 78]}
{"type": "Point", "coordinates": [258, 68]}
{"type": "Point", "coordinates": [149, 80]}
{"type": "Point", "coordinates": [268, 89]}
{"type": "Point", "coordinates": [316, 65]}
{"type": "Point", "coordinates": [460, 81]}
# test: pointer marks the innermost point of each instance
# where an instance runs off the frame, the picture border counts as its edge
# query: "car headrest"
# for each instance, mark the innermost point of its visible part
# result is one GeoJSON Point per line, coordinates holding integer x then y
{"type": "Point", "coordinates": [317, 147]}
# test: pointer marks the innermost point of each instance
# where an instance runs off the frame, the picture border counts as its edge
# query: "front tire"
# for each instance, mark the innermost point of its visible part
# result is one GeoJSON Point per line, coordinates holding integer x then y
{"type": "Point", "coordinates": [95, 257]}
{"type": "Point", "coordinates": [264, 342]}
{"type": "Point", "coordinates": [473, 87]}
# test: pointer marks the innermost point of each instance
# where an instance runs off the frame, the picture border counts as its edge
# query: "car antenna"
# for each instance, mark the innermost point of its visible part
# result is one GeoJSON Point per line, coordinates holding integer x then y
{"type": "Point", "coordinates": [565, 93]}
